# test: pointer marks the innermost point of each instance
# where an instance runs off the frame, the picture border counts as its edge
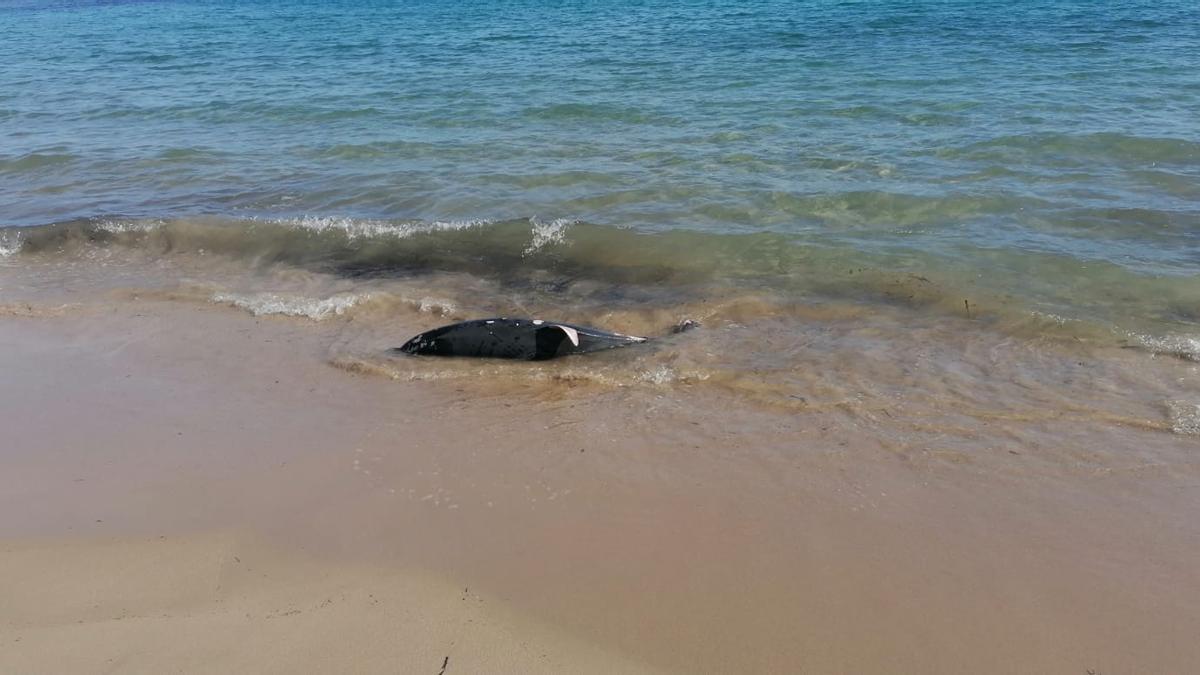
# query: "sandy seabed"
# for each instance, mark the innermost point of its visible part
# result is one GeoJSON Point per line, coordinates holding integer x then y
{"type": "Point", "coordinates": [191, 488]}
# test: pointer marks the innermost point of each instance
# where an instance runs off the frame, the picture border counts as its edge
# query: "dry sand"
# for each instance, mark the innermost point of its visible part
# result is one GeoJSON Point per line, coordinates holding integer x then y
{"type": "Point", "coordinates": [189, 488]}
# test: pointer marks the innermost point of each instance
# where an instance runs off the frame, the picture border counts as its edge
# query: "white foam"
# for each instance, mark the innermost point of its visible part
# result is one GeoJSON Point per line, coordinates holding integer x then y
{"type": "Point", "coordinates": [270, 303]}
{"type": "Point", "coordinates": [1184, 416]}
{"type": "Point", "coordinates": [436, 306]}
{"type": "Point", "coordinates": [123, 226]}
{"type": "Point", "coordinates": [355, 228]}
{"type": "Point", "coordinates": [659, 375]}
{"type": "Point", "coordinates": [1183, 346]}
{"type": "Point", "coordinates": [1051, 317]}
{"type": "Point", "coordinates": [9, 243]}
{"type": "Point", "coordinates": [546, 234]}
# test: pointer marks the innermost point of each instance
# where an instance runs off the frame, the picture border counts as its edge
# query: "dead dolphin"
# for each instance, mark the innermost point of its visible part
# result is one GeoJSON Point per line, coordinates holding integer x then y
{"type": "Point", "coordinates": [504, 338]}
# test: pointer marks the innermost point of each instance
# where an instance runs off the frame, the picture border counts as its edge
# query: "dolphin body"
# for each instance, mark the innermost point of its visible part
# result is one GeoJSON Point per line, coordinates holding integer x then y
{"type": "Point", "coordinates": [504, 338]}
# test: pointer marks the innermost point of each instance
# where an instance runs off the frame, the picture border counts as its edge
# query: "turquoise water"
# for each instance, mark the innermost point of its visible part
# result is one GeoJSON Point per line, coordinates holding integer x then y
{"type": "Point", "coordinates": [1046, 150]}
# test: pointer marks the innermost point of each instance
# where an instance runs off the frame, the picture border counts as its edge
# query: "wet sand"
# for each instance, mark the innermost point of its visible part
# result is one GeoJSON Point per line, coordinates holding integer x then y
{"type": "Point", "coordinates": [189, 486]}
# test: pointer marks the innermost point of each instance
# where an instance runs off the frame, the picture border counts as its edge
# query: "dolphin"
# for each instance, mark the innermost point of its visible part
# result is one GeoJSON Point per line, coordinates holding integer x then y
{"type": "Point", "coordinates": [525, 339]}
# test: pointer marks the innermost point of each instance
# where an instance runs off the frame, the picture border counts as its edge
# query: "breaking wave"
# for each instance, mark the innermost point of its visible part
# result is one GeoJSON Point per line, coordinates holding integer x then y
{"type": "Point", "coordinates": [613, 267]}
{"type": "Point", "coordinates": [318, 309]}
{"type": "Point", "coordinates": [270, 303]}
{"type": "Point", "coordinates": [1181, 346]}
{"type": "Point", "coordinates": [10, 242]}
{"type": "Point", "coordinates": [546, 234]}
{"type": "Point", "coordinates": [368, 229]}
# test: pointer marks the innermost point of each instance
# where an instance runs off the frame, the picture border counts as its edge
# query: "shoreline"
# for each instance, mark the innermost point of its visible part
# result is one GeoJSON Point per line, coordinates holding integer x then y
{"type": "Point", "coordinates": [941, 414]}
{"type": "Point", "coordinates": [678, 532]}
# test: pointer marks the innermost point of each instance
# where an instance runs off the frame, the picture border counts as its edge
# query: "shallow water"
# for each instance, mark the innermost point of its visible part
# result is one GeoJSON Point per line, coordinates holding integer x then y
{"type": "Point", "coordinates": [845, 194]}
{"type": "Point", "coordinates": [907, 378]}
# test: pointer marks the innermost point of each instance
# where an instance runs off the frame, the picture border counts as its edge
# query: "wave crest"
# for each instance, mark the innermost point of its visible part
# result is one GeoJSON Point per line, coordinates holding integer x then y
{"type": "Point", "coordinates": [1182, 346]}
{"type": "Point", "coordinates": [354, 228]}
{"type": "Point", "coordinates": [260, 304]}
{"type": "Point", "coordinates": [547, 234]}
{"type": "Point", "coordinates": [318, 309]}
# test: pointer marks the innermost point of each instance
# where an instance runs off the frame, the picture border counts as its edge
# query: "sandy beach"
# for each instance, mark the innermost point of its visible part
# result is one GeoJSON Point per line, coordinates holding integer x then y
{"type": "Point", "coordinates": [191, 487]}
{"type": "Point", "coordinates": [938, 413]}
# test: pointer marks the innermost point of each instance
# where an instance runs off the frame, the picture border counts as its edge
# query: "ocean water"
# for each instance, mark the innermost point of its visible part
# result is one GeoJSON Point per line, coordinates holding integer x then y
{"type": "Point", "coordinates": [1034, 164]}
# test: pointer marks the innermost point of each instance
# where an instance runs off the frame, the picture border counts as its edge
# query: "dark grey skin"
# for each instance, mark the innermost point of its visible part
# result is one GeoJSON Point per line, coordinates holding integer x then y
{"type": "Point", "coordinates": [525, 339]}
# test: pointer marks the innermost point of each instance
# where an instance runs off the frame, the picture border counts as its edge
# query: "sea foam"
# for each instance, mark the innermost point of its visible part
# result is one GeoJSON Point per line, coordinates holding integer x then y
{"type": "Point", "coordinates": [1182, 346]}
{"type": "Point", "coordinates": [260, 304]}
{"type": "Point", "coordinates": [10, 244]}
{"type": "Point", "coordinates": [547, 234]}
{"type": "Point", "coordinates": [366, 229]}
{"type": "Point", "coordinates": [1185, 417]}
{"type": "Point", "coordinates": [126, 226]}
